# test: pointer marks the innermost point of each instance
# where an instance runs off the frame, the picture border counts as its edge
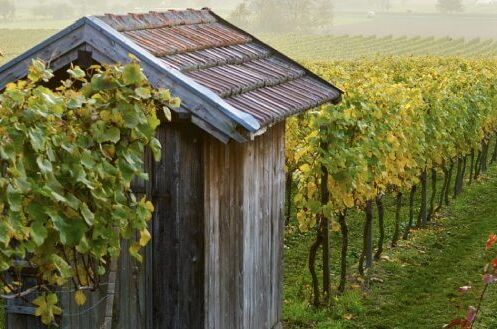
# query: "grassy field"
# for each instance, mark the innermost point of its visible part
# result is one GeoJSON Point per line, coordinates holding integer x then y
{"type": "Point", "coordinates": [311, 47]}
{"type": "Point", "coordinates": [414, 285]}
{"type": "Point", "coordinates": [35, 24]}
{"type": "Point", "coordinates": [14, 42]}
{"type": "Point", "coordinates": [418, 6]}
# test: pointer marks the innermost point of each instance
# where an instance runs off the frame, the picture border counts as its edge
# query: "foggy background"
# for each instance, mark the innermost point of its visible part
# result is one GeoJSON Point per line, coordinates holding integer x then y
{"type": "Point", "coordinates": [453, 18]}
{"type": "Point", "coordinates": [307, 30]}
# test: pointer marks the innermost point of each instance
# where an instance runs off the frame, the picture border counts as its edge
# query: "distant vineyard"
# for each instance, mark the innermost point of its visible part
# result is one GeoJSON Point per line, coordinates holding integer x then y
{"type": "Point", "coordinates": [14, 42]}
{"type": "Point", "coordinates": [324, 48]}
{"type": "Point", "coordinates": [311, 47]}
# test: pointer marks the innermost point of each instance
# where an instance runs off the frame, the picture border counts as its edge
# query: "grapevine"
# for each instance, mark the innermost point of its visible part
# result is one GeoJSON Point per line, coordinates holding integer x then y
{"type": "Point", "coordinates": [401, 121]}
{"type": "Point", "coordinates": [67, 160]}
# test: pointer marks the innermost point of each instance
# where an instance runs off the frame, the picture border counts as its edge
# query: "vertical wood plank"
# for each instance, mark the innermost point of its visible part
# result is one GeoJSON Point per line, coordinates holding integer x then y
{"type": "Point", "coordinates": [243, 196]}
{"type": "Point", "coordinates": [164, 271]}
{"type": "Point", "coordinates": [191, 229]}
{"type": "Point", "coordinates": [178, 230]}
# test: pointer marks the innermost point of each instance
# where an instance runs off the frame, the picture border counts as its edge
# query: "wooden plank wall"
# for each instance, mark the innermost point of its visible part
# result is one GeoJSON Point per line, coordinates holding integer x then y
{"type": "Point", "coordinates": [244, 202]}
{"type": "Point", "coordinates": [86, 316]}
{"type": "Point", "coordinates": [215, 261]}
{"type": "Point", "coordinates": [166, 291]}
{"type": "Point", "coordinates": [177, 235]}
{"type": "Point", "coordinates": [133, 300]}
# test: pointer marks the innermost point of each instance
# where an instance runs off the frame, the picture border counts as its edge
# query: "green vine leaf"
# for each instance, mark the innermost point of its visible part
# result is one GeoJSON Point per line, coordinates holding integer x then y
{"type": "Point", "coordinates": [38, 232]}
{"type": "Point", "coordinates": [67, 160]}
{"type": "Point", "coordinates": [71, 231]}
{"type": "Point", "coordinates": [87, 214]}
{"type": "Point", "coordinates": [156, 148]}
{"type": "Point", "coordinates": [133, 74]}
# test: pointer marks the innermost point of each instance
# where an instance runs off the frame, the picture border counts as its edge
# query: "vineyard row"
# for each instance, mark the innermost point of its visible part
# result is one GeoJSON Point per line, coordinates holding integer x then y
{"type": "Point", "coordinates": [403, 122]}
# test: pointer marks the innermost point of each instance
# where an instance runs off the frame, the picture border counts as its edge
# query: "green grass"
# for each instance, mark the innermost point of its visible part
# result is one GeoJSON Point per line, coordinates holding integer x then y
{"type": "Point", "coordinates": [415, 286]}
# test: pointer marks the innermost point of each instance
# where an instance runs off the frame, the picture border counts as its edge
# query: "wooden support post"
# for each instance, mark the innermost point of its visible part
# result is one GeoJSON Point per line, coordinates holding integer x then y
{"type": "Point", "coordinates": [111, 291]}
{"type": "Point", "coordinates": [369, 234]}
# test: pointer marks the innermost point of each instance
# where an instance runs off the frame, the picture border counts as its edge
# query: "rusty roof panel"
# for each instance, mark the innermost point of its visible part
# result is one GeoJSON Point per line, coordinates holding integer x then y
{"type": "Point", "coordinates": [249, 75]}
{"type": "Point", "coordinates": [272, 104]}
{"type": "Point", "coordinates": [204, 59]}
{"type": "Point", "coordinates": [245, 77]}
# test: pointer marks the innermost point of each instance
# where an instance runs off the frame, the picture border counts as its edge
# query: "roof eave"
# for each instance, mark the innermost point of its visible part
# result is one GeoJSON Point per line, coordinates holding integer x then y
{"type": "Point", "coordinates": [335, 101]}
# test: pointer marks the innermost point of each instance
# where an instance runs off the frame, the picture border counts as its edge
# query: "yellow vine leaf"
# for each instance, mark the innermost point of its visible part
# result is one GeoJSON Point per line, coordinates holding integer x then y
{"type": "Point", "coordinates": [144, 237]}
{"type": "Point", "coordinates": [305, 168]}
{"type": "Point", "coordinates": [80, 297]}
{"type": "Point", "coordinates": [335, 227]}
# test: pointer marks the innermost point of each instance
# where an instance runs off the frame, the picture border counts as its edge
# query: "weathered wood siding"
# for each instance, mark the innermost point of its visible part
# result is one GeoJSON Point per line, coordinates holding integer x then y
{"type": "Point", "coordinates": [215, 260]}
{"type": "Point", "coordinates": [177, 239]}
{"type": "Point", "coordinates": [244, 202]}
{"type": "Point", "coordinates": [166, 290]}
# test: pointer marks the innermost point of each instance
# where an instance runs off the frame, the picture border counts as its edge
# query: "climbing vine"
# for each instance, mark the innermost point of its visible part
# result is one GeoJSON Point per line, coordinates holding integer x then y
{"type": "Point", "coordinates": [68, 156]}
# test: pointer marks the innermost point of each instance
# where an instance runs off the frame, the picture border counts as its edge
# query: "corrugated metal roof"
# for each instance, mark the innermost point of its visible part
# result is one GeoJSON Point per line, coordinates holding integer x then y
{"type": "Point", "coordinates": [247, 74]}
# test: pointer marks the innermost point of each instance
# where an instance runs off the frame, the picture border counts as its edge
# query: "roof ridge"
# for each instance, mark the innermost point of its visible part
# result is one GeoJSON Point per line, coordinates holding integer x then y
{"type": "Point", "coordinates": [157, 19]}
{"type": "Point", "coordinates": [182, 34]}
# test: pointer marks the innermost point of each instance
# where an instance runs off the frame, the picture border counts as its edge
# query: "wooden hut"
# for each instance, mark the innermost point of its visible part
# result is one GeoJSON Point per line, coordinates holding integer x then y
{"type": "Point", "coordinates": [215, 260]}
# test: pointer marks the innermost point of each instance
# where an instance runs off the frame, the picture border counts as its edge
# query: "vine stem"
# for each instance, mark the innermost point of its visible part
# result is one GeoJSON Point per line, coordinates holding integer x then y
{"type": "Point", "coordinates": [478, 308]}
{"type": "Point", "coordinates": [68, 261]}
{"type": "Point", "coordinates": [345, 243]}
{"type": "Point", "coordinates": [312, 267]}
{"type": "Point", "coordinates": [76, 266]}
{"type": "Point", "coordinates": [20, 295]}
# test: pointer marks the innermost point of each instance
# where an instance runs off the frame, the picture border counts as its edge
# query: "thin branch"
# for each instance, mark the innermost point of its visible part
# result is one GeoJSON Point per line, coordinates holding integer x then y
{"type": "Point", "coordinates": [12, 289]}
{"type": "Point", "coordinates": [478, 308]}
{"type": "Point", "coordinates": [20, 294]}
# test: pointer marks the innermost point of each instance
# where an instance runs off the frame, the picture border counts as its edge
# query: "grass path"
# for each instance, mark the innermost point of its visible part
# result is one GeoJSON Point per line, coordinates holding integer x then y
{"type": "Point", "coordinates": [415, 286]}
{"type": "Point", "coordinates": [420, 291]}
